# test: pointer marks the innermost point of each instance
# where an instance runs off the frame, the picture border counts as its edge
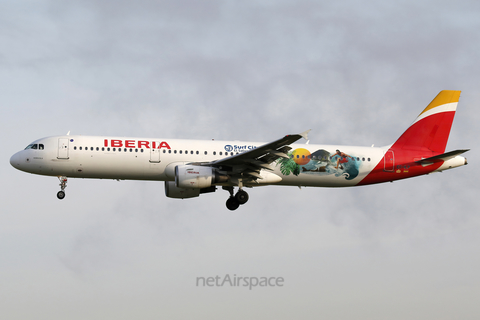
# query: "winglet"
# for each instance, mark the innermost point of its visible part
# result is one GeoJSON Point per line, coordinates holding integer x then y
{"type": "Point", "coordinates": [305, 134]}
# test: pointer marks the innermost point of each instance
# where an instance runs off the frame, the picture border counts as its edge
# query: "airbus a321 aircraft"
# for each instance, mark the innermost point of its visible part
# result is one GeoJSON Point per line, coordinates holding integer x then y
{"type": "Point", "coordinates": [193, 167]}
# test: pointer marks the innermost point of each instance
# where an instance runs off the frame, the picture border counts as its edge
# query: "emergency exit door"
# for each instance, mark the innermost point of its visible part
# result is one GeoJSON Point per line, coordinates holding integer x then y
{"type": "Point", "coordinates": [155, 153]}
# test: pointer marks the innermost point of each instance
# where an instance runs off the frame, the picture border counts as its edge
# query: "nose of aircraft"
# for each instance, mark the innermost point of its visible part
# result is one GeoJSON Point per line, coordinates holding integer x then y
{"type": "Point", "coordinates": [15, 160]}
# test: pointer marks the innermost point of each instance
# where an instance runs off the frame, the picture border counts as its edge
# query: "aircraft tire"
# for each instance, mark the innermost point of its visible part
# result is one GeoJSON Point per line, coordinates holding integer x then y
{"type": "Point", "coordinates": [232, 204]}
{"type": "Point", "coordinates": [241, 196]}
{"type": "Point", "coordinates": [60, 195]}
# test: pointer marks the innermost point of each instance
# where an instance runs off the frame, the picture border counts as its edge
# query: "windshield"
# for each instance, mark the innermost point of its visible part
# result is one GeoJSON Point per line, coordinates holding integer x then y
{"type": "Point", "coordinates": [35, 146]}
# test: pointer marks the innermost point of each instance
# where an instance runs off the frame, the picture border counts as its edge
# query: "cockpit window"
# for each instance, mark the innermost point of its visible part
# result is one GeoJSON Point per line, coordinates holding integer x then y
{"type": "Point", "coordinates": [35, 146]}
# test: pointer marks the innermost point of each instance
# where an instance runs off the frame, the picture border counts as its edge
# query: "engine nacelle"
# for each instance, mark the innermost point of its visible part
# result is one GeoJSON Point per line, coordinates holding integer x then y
{"type": "Point", "coordinates": [197, 177]}
{"type": "Point", "coordinates": [172, 191]}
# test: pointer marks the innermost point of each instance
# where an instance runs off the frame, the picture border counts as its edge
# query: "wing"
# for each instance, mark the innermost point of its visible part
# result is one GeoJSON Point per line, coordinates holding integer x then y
{"type": "Point", "coordinates": [249, 164]}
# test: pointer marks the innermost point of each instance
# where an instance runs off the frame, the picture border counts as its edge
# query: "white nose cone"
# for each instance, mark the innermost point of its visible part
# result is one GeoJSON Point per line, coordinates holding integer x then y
{"type": "Point", "coordinates": [14, 161]}
{"type": "Point", "coordinates": [18, 161]}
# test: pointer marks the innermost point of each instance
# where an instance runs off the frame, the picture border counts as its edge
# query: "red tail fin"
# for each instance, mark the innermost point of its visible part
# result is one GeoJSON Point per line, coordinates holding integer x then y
{"type": "Point", "coordinates": [431, 129]}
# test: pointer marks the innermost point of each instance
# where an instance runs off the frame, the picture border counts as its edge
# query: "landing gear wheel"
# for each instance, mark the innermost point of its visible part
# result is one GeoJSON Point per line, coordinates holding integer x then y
{"type": "Point", "coordinates": [241, 196]}
{"type": "Point", "coordinates": [232, 203]}
{"type": "Point", "coordinates": [63, 185]}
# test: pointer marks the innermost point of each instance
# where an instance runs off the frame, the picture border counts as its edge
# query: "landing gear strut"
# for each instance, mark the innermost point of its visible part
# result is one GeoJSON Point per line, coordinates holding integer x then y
{"type": "Point", "coordinates": [63, 185]}
{"type": "Point", "coordinates": [234, 201]}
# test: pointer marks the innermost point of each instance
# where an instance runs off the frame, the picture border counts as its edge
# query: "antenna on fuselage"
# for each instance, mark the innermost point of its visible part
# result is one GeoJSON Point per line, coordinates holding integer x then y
{"type": "Point", "coordinates": [68, 133]}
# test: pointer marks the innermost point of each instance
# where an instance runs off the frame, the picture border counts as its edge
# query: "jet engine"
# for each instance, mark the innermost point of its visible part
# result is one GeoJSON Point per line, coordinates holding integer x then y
{"type": "Point", "coordinates": [172, 191]}
{"type": "Point", "coordinates": [197, 177]}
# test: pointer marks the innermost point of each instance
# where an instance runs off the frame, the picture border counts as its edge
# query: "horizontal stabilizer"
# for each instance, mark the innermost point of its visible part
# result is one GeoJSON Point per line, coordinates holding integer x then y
{"type": "Point", "coordinates": [443, 157]}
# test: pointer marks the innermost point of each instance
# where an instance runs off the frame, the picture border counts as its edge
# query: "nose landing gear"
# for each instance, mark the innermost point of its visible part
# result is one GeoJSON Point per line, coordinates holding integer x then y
{"type": "Point", "coordinates": [63, 185]}
{"type": "Point", "coordinates": [234, 201]}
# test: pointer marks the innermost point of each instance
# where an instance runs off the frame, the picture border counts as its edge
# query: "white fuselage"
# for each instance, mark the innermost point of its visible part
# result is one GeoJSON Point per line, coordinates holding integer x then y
{"type": "Point", "coordinates": [155, 159]}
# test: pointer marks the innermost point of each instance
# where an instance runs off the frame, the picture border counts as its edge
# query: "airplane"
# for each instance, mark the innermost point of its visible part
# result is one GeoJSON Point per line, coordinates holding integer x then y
{"type": "Point", "coordinates": [190, 168]}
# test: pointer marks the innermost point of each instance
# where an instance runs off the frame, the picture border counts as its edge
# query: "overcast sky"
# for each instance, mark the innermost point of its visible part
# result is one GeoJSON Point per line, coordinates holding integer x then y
{"type": "Point", "coordinates": [356, 73]}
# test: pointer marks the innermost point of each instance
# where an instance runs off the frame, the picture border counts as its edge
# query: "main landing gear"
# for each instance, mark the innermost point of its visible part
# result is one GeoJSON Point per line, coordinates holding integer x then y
{"type": "Point", "coordinates": [241, 197]}
{"type": "Point", "coordinates": [63, 185]}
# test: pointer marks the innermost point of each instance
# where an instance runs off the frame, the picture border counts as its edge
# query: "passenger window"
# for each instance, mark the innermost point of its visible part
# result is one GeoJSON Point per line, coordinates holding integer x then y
{"type": "Point", "coordinates": [97, 148]}
{"type": "Point", "coordinates": [198, 152]}
{"type": "Point", "coordinates": [136, 150]}
{"type": "Point", "coordinates": [220, 153]}
{"type": "Point", "coordinates": [75, 148]}
{"type": "Point", "coordinates": [80, 148]}
{"type": "Point", "coordinates": [206, 152]}
{"type": "Point", "coordinates": [180, 151]}
{"type": "Point", "coordinates": [368, 159]}
{"type": "Point", "coordinates": [214, 153]}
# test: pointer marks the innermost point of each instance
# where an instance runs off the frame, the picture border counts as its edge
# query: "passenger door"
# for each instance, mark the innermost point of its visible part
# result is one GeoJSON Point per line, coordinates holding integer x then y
{"type": "Point", "coordinates": [389, 161]}
{"type": "Point", "coordinates": [62, 148]}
